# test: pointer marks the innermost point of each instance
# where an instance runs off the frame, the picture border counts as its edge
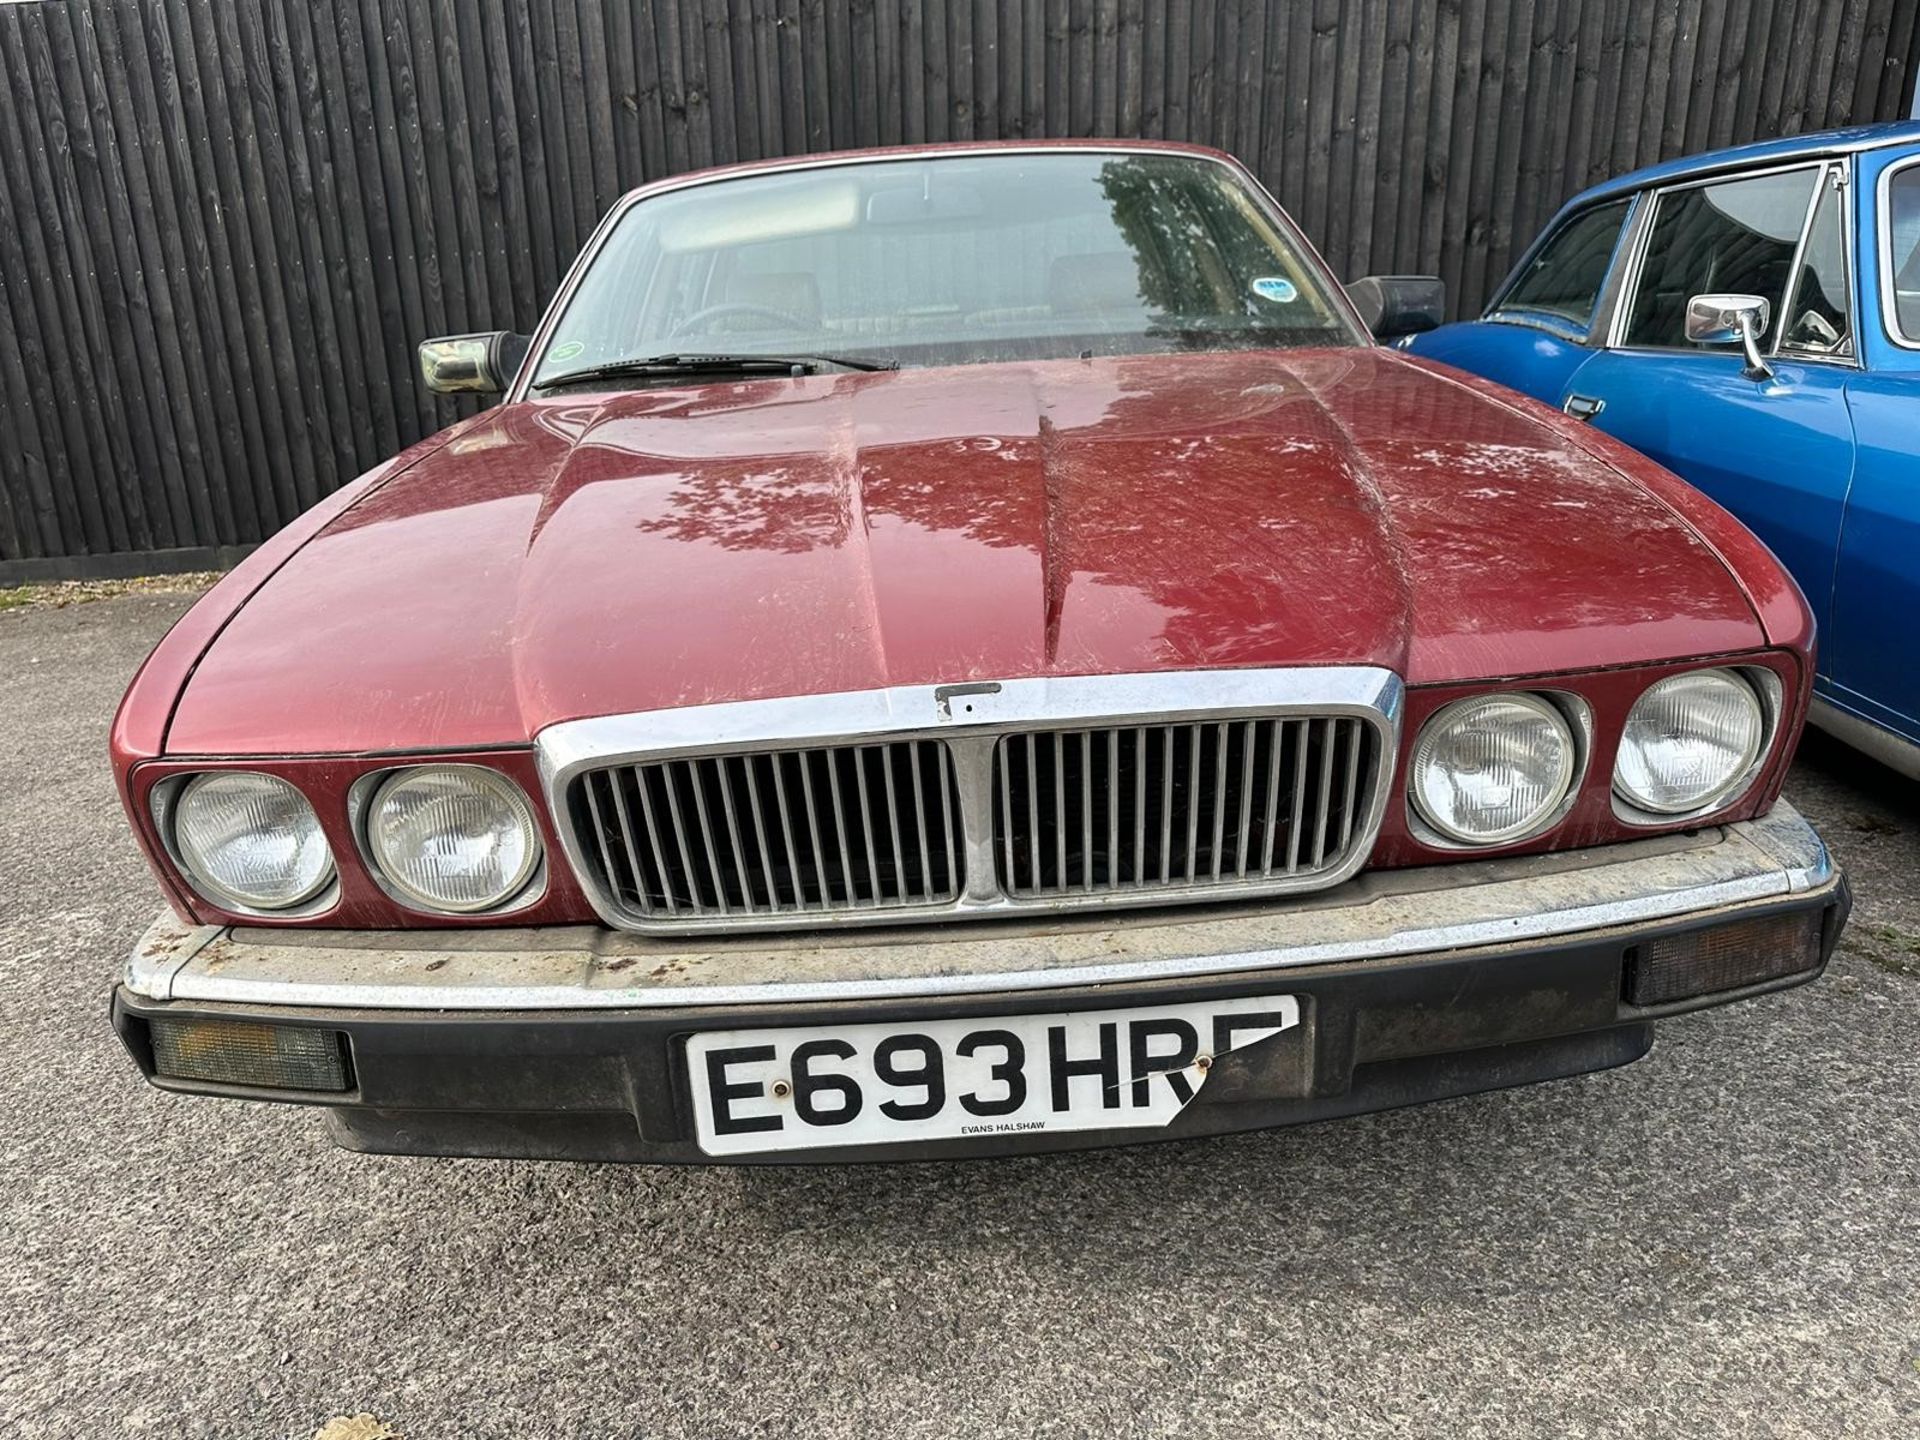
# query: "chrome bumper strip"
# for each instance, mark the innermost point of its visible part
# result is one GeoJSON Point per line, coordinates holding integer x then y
{"type": "Point", "coordinates": [1377, 915]}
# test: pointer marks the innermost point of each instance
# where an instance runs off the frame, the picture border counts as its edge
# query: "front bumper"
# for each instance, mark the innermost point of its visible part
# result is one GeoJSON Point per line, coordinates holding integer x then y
{"type": "Point", "coordinates": [565, 1042]}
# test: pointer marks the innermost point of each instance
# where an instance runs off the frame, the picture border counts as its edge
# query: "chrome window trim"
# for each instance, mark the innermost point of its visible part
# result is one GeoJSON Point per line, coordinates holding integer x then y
{"type": "Point", "coordinates": [1622, 299]}
{"type": "Point", "coordinates": [1792, 357]}
{"type": "Point", "coordinates": [1545, 321]}
{"type": "Point", "coordinates": [1336, 292]}
{"type": "Point", "coordinates": [1639, 221]}
{"type": "Point", "coordinates": [1820, 182]}
{"type": "Point", "coordinates": [971, 717]}
{"type": "Point", "coordinates": [1840, 178]}
{"type": "Point", "coordinates": [1883, 243]}
{"type": "Point", "coordinates": [1623, 310]}
{"type": "Point", "coordinates": [1599, 318]}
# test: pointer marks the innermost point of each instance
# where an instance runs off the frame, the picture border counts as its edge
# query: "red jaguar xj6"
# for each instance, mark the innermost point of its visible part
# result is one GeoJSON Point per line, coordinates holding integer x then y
{"type": "Point", "coordinates": [960, 651]}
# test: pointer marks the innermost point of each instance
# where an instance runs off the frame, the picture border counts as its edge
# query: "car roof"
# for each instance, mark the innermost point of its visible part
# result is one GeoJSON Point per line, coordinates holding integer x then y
{"type": "Point", "coordinates": [1795, 147]}
{"type": "Point", "coordinates": [934, 150]}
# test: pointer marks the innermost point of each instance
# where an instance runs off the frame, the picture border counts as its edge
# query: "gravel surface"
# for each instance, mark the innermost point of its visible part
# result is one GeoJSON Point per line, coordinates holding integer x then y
{"type": "Point", "coordinates": [1719, 1240]}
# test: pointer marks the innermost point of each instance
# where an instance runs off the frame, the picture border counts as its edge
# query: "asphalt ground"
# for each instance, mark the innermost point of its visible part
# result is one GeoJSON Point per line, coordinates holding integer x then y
{"type": "Point", "coordinates": [1722, 1239]}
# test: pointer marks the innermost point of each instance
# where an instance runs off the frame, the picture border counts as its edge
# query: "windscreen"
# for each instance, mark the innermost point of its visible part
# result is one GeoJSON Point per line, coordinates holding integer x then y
{"type": "Point", "coordinates": [950, 260]}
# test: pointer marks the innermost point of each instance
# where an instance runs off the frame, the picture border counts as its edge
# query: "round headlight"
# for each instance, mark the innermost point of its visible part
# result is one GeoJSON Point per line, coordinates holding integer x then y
{"type": "Point", "coordinates": [250, 841]}
{"type": "Point", "coordinates": [1689, 742]}
{"type": "Point", "coordinates": [453, 837]}
{"type": "Point", "coordinates": [1491, 769]}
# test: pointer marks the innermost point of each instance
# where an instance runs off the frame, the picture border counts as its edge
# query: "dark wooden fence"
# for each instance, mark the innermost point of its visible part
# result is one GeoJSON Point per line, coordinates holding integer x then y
{"type": "Point", "coordinates": [224, 224]}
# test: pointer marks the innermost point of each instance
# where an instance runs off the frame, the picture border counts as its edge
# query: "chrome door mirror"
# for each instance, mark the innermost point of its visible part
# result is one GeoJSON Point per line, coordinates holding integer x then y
{"type": "Point", "coordinates": [472, 364]}
{"type": "Point", "coordinates": [1730, 319]}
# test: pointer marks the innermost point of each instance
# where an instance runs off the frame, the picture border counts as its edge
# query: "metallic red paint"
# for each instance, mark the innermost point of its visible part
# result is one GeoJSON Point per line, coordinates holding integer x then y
{"type": "Point", "coordinates": [641, 550]}
{"type": "Point", "coordinates": [638, 550]}
{"type": "Point", "coordinates": [140, 725]}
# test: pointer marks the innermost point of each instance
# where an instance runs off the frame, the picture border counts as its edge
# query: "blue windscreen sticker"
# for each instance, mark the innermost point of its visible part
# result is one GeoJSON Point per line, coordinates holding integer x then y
{"type": "Point", "coordinates": [1273, 287]}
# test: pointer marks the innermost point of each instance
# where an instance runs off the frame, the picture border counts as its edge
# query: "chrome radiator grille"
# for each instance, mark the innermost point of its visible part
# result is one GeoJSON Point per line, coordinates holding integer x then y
{"type": "Point", "coordinates": [926, 802]}
{"type": "Point", "coordinates": [779, 833]}
{"type": "Point", "coordinates": [1174, 807]}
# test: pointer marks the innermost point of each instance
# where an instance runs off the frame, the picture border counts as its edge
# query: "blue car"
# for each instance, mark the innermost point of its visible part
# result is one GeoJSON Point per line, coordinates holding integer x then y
{"type": "Point", "coordinates": [1750, 318]}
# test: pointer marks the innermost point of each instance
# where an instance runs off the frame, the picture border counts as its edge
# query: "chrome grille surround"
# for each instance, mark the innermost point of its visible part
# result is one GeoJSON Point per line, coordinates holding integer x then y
{"type": "Point", "coordinates": [709, 751]}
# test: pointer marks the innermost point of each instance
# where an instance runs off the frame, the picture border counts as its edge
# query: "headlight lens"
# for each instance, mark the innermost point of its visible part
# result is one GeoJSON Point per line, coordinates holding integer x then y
{"type": "Point", "coordinates": [453, 837]}
{"type": "Point", "coordinates": [250, 841]}
{"type": "Point", "coordinates": [1689, 742]}
{"type": "Point", "coordinates": [1487, 770]}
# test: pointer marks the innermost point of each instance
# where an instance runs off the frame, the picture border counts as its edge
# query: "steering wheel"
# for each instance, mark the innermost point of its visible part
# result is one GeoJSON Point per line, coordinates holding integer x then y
{"type": "Point", "coordinates": [737, 307]}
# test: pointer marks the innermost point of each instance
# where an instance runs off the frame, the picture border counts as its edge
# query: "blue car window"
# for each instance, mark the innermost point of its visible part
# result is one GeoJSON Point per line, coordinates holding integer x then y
{"type": "Point", "coordinates": [1903, 222]}
{"type": "Point", "coordinates": [1565, 276]}
{"type": "Point", "coordinates": [1733, 238]}
{"type": "Point", "coordinates": [1818, 323]}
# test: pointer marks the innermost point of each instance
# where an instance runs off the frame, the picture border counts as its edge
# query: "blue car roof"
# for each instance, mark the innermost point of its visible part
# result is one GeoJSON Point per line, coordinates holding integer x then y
{"type": "Point", "coordinates": [1824, 142]}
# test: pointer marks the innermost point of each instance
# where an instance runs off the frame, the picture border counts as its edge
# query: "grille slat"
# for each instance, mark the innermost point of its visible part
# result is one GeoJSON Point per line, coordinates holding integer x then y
{"type": "Point", "coordinates": [1166, 804]}
{"type": "Point", "coordinates": [893, 823]}
{"type": "Point", "coordinates": [821, 882]}
{"type": "Point", "coordinates": [747, 764]}
{"type": "Point", "coordinates": [1229, 803]}
{"type": "Point", "coordinates": [1326, 792]}
{"type": "Point", "coordinates": [1352, 771]}
{"type": "Point", "coordinates": [1275, 729]}
{"type": "Point", "coordinates": [695, 899]}
{"type": "Point", "coordinates": [718, 836]}
{"type": "Point", "coordinates": [919, 814]}
{"type": "Point", "coordinates": [1193, 803]}
{"type": "Point", "coordinates": [1140, 805]}
{"type": "Point", "coordinates": [947, 816]}
{"type": "Point", "coordinates": [1219, 796]}
{"type": "Point", "coordinates": [1033, 818]}
{"type": "Point", "coordinates": [839, 818]}
{"type": "Point", "coordinates": [1060, 806]}
{"type": "Point", "coordinates": [1301, 730]}
{"type": "Point", "coordinates": [1086, 812]}
{"type": "Point", "coordinates": [709, 856]}
{"type": "Point", "coordinates": [739, 854]}
{"type": "Point", "coordinates": [786, 834]}
{"type": "Point", "coordinates": [866, 830]}
{"type": "Point", "coordinates": [1245, 832]}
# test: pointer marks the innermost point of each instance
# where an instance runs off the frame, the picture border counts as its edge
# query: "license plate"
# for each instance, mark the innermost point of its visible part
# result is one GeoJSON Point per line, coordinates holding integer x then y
{"type": "Point", "coordinates": [756, 1091]}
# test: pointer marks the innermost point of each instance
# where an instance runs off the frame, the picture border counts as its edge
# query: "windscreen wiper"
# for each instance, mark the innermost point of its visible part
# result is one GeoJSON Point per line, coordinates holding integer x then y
{"type": "Point", "coordinates": [645, 367]}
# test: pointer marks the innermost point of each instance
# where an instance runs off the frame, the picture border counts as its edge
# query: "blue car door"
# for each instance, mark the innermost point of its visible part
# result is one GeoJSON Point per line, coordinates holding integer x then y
{"type": "Point", "coordinates": [1870, 660]}
{"type": "Point", "coordinates": [1537, 331]}
{"type": "Point", "coordinates": [1777, 450]}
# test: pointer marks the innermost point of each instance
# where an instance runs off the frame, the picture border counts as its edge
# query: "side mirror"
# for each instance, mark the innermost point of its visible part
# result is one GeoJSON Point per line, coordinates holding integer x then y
{"type": "Point", "coordinates": [472, 364]}
{"type": "Point", "coordinates": [1731, 319]}
{"type": "Point", "coordinates": [1396, 305]}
